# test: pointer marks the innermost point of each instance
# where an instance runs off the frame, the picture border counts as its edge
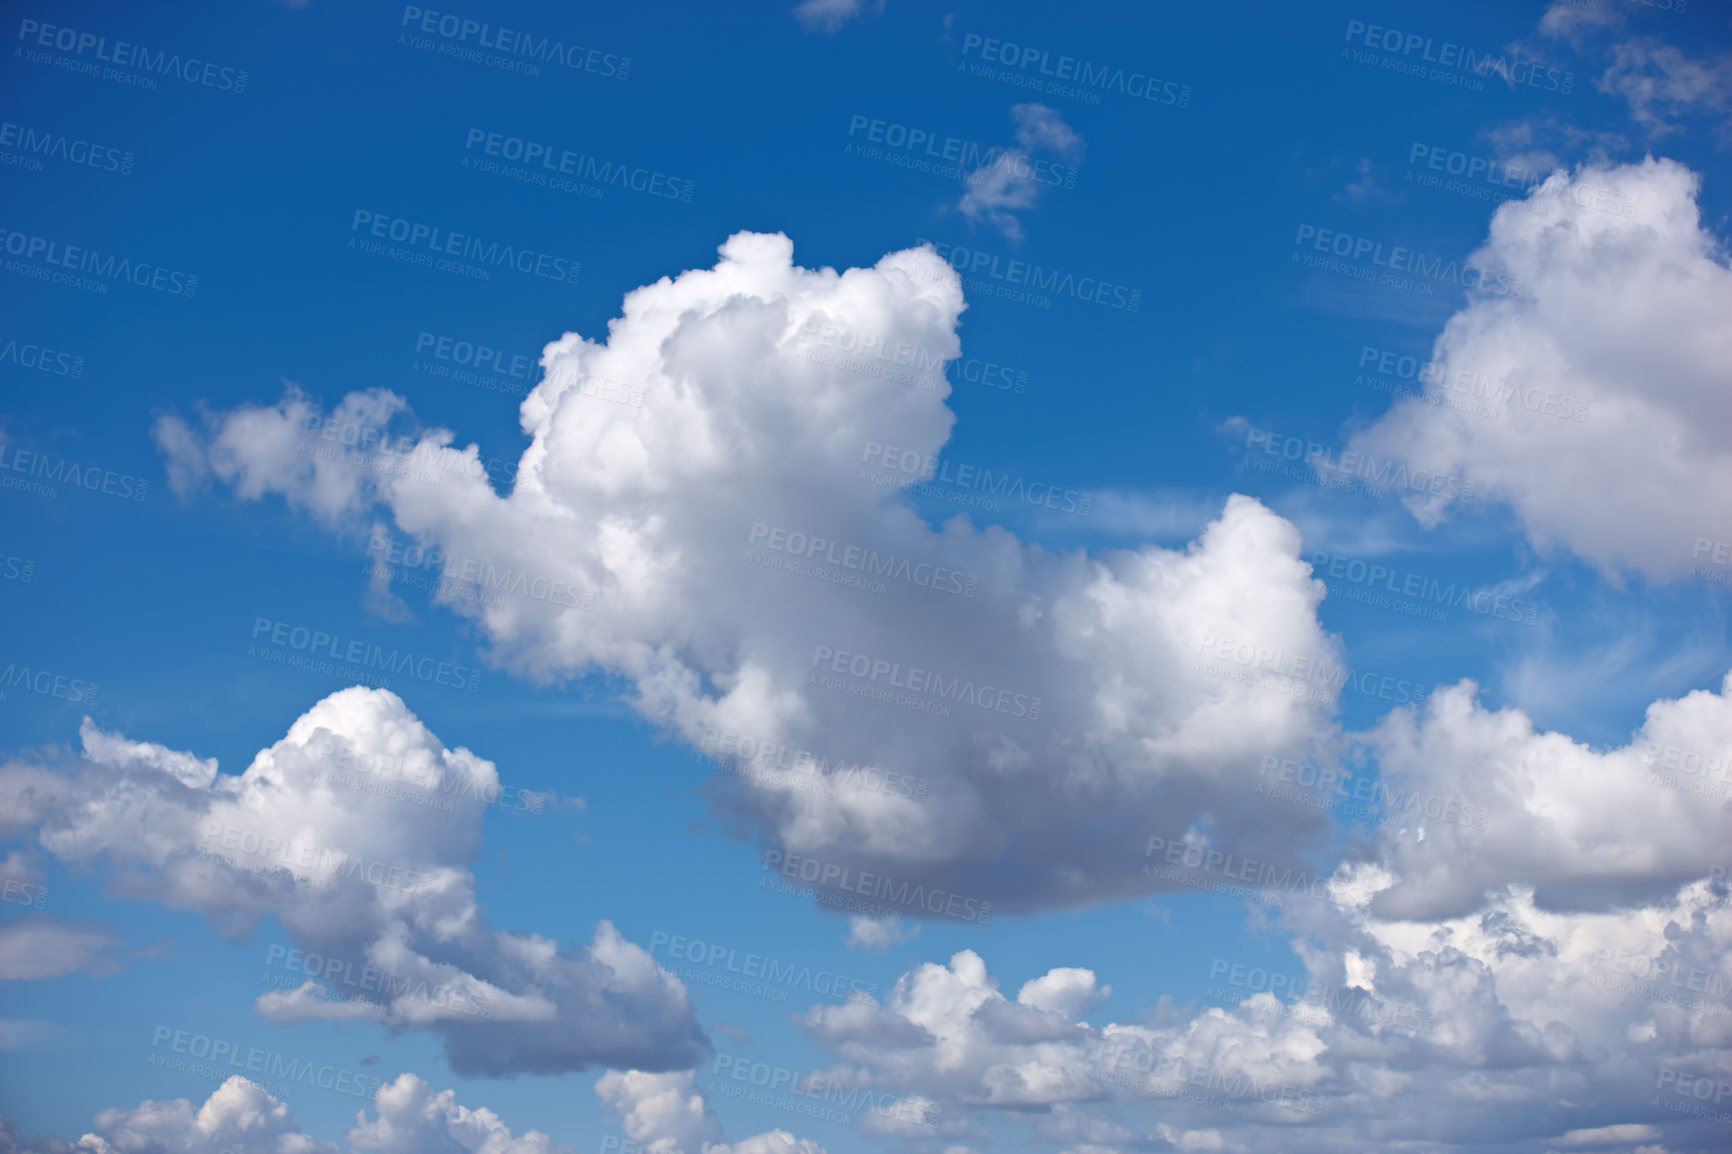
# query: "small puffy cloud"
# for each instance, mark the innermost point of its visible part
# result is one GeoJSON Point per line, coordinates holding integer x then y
{"type": "Point", "coordinates": [353, 875]}
{"type": "Point", "coordinates": [413, 1119]}
{"type": "Point", "coordinates": [865, 933]}
{"type": "Point", "coordinates": [1607, 376]}
{"type": "Point", "coordinates": [238, 1118]}
{"type": "Point", "coordinates": [831, 15]}
{"type": "Point", "coordinates": [665, 1114]}
{"type": "Point", "coordinates": [1011, 179]}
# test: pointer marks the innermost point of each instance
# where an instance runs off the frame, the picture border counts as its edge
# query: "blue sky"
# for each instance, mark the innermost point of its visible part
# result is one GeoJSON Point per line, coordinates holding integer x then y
{"type": "Point", "coordinates": [1239, 281]}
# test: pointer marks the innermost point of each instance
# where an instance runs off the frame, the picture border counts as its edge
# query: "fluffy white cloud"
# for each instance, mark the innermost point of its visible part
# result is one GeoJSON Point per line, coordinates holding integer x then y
{"type": "Point", "coordinates": [1012, 179]}
{"type": "Point", "coordinates": [240, 1117]}
{"type": "Point", "coordinates": [1585, 829]}
{"type": "Point", "coordinates": [665, 1114]}
{"type": "Point", "coordinates": [831, 15]}
{"type": "Point", "coordinates": [371, 878]}
{"type": "Point", "coordinates": [713, 521]}
{"type": "Point", "coordinates": [1624, 314]}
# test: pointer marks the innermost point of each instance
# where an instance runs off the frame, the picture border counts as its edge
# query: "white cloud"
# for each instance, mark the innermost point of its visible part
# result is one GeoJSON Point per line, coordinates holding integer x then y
{"type": "Point", "coordinates": [831, 15]}
{"type": "Point", "coordinates": [1012, 179]}
{"type": "Point", "coordinates": [412, 1119]}
{"type": "Point", "coordinates": [754, 427]}
{"type": "Point", "coordinates": [1624, 312]}
{"type": "Point", "coordinates": [359, 876]}
{"type": "Point", "coordinates": [878, 933]}
{"type": "Point", "coordinates": [665, 1114]}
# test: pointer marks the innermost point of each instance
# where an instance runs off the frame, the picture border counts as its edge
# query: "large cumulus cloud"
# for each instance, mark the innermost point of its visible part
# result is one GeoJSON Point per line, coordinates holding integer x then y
{"type": "Point", "coordinates": [711, 521]}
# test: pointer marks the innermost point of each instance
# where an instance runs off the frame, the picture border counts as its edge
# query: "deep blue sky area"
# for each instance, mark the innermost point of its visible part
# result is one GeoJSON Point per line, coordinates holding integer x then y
{"type": "Point", "coordinates": [253, 194]}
